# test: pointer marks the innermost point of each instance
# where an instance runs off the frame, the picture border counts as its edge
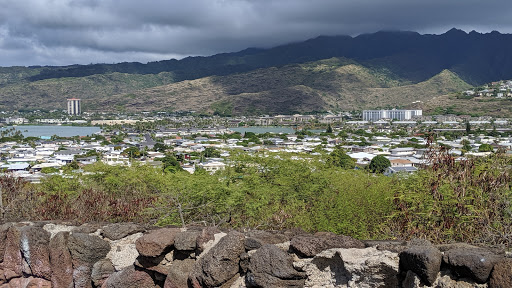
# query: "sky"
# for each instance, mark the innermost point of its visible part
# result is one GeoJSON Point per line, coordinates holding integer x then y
{"type": "Point", "coordinates": [65, 32]}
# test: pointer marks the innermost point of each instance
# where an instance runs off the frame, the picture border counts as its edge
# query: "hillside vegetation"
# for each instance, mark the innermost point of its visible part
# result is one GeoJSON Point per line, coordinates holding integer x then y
{"type": "Point", "coordinates": [450, 201]}
{"type": "Point", "coordinates": [335, 83]}
{"type": "Point", "coordinates": [478, 106]}
{"type": "Point", "coordinates": [52, 93]}
{"type": "Point", "coordinates": [316, 86]}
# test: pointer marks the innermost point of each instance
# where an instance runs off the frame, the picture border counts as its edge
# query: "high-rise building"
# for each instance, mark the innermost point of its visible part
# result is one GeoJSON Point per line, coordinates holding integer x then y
{"type": "Point", "coordinates": [375, 115]}
{"type": "Point", "coordinates": [74, 107]}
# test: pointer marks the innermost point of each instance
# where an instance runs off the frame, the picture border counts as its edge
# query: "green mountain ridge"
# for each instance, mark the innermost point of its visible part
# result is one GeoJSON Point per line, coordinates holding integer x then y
{"type": "Point", "coordinates": [52, 93]}
{"type": "Point", "coordinates": [335, 83]}
{"type": "Point", "coordinates": [316, 86]}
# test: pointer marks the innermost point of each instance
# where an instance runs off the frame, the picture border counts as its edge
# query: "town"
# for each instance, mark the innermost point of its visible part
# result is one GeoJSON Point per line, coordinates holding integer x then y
{"type": "Point", "coordinates": [206, 142]}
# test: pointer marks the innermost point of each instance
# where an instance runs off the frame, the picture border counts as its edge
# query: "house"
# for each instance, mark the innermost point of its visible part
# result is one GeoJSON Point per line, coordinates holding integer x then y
{"type": "Point", "coordinates": [16, 167]}
{"type": "Point", "coordinates": [362, 157]}
{"type": "Point", "coordinates": [39, 167]}
{"type": "Point", "coordinates": [404, 151]}
{"type": "Point", "coordinates": [115, 158]}
{"type": "Point", "coordinates": [212, 166]}
{"type": "Point", "coordinates": [402, 170]}
{"type": "Point", "coordinates": [86, 160]}
{"type": "Point", "coordinates": [400, 162]}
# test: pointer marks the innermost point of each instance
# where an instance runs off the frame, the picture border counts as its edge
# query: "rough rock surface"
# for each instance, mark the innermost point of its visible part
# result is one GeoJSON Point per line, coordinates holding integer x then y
{"type": "Point", "coordinates": [60, 259]}
{"type": "Point", "coordinates": [452, 246]}
{"type": "Point", "coordinates": [206, 236]}
{"type": "Point", "coordinates": [272, 267]}
{"type": "Point", "coordinates": [34, 247]}
{"type": "Point", "coordinates": [123, 251]}
{"type": "Point", "coordinates": [156, 242]}
{"type": "Point", "coordinates": [178, 273]}
{"type": "Point", "coordinates": [120, 230]}
{"type": "Point", "coordinates": [85, 250]}
{"type": "Point", "coordinates": [29, 282]}
{"type": "Point", "coordinates": [186, 241]}
{"type": "Point", "coordinates": [424, 261]}
{"type": "Point", "coordinates": [53, 229]}
{"type": "Point", "coordinates": [501, 276]}
{"type": "Point", "coordinates": [160, 264]}
{"type": "Point", "coordinates": [445, 280]}
{"type": "Point", "coordinates": [353, 267]}
{"type": "Point", "coordinates": [206, 257]}
{"type": "Point", "coordinates": [129, 278]}
{"type": "Point", "coordinates": [12, 264]}
{"type": "Point", "coordinates": [389, 245]}
{"type": "Point", "coordinates": [101, 270]}
{"type": "Point", "coordinates": [310, 245]}
{"type": "Point", "coordinates": [473, 263]}
{"type": "Point", "coordinates": [3, 238]}
{"type": "Point", "coordinates": [221, 263]}
{"type": "Point", "coordinates": [87, 228]}
{"type": "Point", "coordinates": [206, 246]}
{"type": "Point", "coordinates": [257, 238]}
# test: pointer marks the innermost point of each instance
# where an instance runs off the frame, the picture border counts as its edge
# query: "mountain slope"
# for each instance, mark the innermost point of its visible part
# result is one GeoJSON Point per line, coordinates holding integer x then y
{"type": "Point", "coordinates": [52, 93]}
{"type": "Point", "coordinates": [477, 58]}
{"type": "Point", "coordinates": [316, 86]}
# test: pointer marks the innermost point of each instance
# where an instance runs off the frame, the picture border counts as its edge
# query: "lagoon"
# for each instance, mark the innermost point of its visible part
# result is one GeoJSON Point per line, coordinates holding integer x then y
{"type": "Point", "coordinates": [271, 129]}
{"type": "Point", "coordinates": [264, 129]}
{"type": "Point", "coordinates": [50, 130]}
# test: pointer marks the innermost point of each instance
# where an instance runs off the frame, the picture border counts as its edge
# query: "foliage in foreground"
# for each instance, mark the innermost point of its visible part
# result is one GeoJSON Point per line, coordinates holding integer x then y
{"type": "Point", "coordinates": [450, 201]}
{"type": "Point", "coordinates": [467, 200]}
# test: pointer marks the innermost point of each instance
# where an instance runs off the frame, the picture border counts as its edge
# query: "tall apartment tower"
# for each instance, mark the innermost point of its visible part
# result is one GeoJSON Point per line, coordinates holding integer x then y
{"type": "Point", "coordinates": [74, 107]}
{"type": "Point", "coordinates": [375, 115]}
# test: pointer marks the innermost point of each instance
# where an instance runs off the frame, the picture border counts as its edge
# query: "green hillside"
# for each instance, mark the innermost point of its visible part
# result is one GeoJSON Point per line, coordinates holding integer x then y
{"type": "Point", "coordinates": [52, 93]}
{"type": "Point", "coordinates": [316, 86]}
{"type": "Point", "coordinates": [335, 83]}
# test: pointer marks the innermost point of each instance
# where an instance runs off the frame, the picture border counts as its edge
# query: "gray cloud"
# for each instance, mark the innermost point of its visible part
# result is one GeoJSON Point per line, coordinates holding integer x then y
{"type": "Point", "coordinates": [61, 32]}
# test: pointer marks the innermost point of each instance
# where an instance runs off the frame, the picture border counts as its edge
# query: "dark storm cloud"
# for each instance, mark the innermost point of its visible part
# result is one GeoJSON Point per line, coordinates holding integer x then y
{"type": "Point", "coordinates": [59, 32]}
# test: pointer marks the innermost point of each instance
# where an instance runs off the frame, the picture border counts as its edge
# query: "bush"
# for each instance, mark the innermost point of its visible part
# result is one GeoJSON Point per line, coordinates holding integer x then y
{"type": "Point", "coordinates": [468, 200]}
{"type": "Point", "coordinates": [379, 164]}
{"type": "Point", "coordinates": [485, 148]}
{"type": "Point", "coordinates": [338, 158]}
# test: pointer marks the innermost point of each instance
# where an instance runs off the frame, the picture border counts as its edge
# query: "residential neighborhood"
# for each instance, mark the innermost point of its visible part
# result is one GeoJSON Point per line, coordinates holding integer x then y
{"type": "Point", "coordinates": [207, 143]}
{"type": "Point", "coordinates": [499, 89]}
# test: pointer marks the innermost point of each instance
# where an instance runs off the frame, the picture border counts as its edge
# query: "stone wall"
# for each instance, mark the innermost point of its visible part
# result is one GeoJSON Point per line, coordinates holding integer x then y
{"type": "Point", "coordinates": [129, 255]}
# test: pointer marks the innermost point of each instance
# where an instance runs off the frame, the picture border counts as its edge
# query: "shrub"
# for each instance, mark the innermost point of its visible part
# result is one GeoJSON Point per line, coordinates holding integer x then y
{"type": "Point", "coordinates": [466, 200]}
{"type": "Point", "coordinates": [379, 164]}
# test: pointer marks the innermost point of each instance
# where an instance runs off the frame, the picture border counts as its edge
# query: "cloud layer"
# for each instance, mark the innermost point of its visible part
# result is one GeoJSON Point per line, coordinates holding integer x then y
{"type": "Point", "coordinates": [62, 32]}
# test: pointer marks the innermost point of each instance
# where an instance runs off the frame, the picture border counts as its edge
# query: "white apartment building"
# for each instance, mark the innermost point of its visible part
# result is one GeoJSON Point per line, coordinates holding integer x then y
{"type": "Point", "coordinates": [375, 115]}
{"type": "Point", "coordinates": [74, 106]}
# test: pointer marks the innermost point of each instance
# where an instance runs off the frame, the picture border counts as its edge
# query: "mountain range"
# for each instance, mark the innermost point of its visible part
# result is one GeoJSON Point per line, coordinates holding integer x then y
{"type": "Point", "coordinates": [380, 70]}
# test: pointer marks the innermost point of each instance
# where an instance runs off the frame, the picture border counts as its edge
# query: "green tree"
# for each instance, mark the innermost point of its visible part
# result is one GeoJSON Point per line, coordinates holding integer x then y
{"type": "Point", "coordinates": [171, 164]}
{"type": "Point", "coordinates": [133, 152]}
{"type": "Point", "coordinates": [73, 165]}
{"type": "Point", "coordinates": [160, 147]}
{"type": "Point", "coordinates": [338, 158]}
{"type": "Point", "coordinates": [343, 135]}
{"type": "Point", "coordinates": [466, 146]}
{"type": "Point", "coordinates": [329, 129]}
{"type": "Point", "coordinates": [210, 152]}
{"type": "Point", "coordinates": [379, 164]}
{"type": "Point", "coordinates": [485, 148]}
{"type": "Point", "coordinates": [49, 170]}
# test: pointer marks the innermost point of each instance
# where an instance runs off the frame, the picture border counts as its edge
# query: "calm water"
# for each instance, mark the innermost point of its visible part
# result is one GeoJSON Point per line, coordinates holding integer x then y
{"type": "Point", "coordinates": [50, 130]}
{"type": "Point", "coordinates": [261, 130]}
{"type": "Point", "coordinates": [270, 129]}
